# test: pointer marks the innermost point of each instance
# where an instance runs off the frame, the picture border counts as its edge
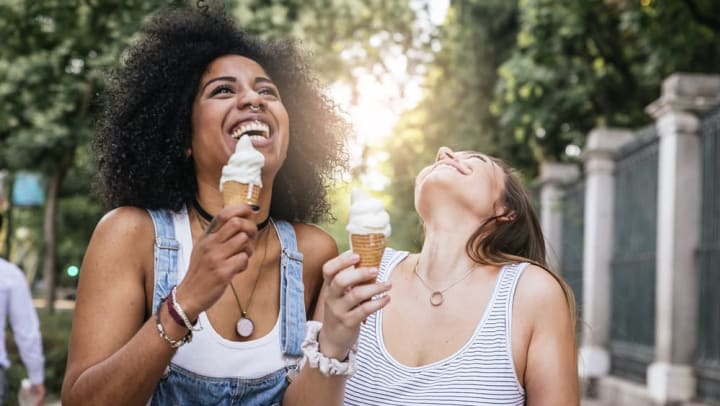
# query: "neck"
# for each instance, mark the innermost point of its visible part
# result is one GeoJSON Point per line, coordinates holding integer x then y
{"type": "Point", "coordinates": [210, 199]}
{"type": "Point", "coordinates": [443, 256]}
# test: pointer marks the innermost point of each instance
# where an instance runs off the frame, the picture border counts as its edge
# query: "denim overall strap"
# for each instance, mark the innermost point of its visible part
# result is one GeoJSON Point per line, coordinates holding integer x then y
{"type": "Point", "coordinates": [292, 297]}
{"type": "Point", "coordinates": [165, 255]}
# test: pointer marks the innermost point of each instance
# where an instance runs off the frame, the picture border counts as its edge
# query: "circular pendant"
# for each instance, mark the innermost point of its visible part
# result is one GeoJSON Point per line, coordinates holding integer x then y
{"type": "Point", "coordinates": [436, 299]}
{"type": "Point", "coordinates": [244, 327]}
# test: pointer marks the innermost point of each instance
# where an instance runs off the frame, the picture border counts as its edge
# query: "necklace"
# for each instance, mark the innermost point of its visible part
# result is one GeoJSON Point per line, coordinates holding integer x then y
{"type": "Point", "coordinates": [208, 217]}
{"type": "Point", "coordinates": [245, 325]}
{"type": "Point", "coordinates": [436, 295]}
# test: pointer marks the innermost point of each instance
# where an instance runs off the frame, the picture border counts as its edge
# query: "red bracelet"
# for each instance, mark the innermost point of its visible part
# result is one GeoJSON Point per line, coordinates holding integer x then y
{"type": "Point", "coordinates": [173, 313]}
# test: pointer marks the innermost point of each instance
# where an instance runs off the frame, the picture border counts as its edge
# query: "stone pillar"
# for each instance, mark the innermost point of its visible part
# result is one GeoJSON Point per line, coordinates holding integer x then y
{"type": "Point", "coordinates": [670, 377]}
{"type": "Point", "coordinates": [553, 177]}
{"type": "Point", "coordinates": [602, 143]}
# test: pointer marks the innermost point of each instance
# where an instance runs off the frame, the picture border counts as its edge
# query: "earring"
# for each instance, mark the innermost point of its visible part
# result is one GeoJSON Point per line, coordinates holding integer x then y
{"type": "Point", "coordinates": [254, 108]}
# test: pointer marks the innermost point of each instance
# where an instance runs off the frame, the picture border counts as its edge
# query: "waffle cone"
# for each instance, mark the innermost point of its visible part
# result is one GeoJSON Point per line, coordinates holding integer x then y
{"type": "Point", "coordinates": [236, 192]}
{"type": "Point", "coordinates": [370, 247]}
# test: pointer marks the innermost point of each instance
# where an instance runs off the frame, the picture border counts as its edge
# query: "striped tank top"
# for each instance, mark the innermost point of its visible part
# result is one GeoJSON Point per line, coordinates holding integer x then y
{"type": "Point", "coordinates": [481, 372]}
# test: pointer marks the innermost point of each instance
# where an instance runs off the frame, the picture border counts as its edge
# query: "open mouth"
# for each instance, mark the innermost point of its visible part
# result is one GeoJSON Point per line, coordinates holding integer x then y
{"type": "Point", "coordinates": [254, 129]}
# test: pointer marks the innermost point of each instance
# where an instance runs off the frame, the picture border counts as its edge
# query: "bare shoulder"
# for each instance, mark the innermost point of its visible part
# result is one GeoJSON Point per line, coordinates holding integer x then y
{"type": "Point", "coordinates": [540, 295]}
{"type": "Point", "coordinates": [123, 237]}
{"type": "Point", "coordinates": [315, 243]}
{"type": "Point", "coordinates": [124, 222]}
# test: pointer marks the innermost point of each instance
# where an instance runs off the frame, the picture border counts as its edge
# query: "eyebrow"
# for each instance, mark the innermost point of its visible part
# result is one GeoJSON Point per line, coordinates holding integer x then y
{"type": "Point", "coordinates": [259, 79]}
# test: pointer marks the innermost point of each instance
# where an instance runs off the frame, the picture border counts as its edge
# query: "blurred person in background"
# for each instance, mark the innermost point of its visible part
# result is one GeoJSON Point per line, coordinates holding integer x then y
{"type": "Point", "coordinates": [16, 306]}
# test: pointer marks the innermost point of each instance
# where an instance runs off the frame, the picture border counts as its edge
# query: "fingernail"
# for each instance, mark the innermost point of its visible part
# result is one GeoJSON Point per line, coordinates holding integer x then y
{"type": "Point", "coordinates": [373, 271]}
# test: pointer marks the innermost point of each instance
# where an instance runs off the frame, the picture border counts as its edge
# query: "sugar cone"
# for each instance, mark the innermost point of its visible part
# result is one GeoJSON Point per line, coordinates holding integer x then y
{"type": "Point", "coordinates": [370, 247]}
{"type": "Point", "coordinates": [236, 192]}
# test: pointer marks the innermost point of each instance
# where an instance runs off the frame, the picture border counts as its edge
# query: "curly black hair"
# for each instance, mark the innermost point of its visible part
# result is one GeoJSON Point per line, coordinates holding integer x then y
{"type": "Point", "coordinates": [145, 129]}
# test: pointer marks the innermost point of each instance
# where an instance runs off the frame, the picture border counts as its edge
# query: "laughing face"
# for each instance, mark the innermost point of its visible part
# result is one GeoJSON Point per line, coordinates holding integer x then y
{"type": "Point", "coordinates": [468, 179]}
{"type": "Point", "coordinates": [237, 98]}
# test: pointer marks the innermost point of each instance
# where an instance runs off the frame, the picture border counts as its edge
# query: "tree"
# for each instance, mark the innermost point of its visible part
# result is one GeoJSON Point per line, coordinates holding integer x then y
{"type": "Point", "coordinates": [55, 54]}
{"type": "Point", "coordinates": [475, 39]}
{"type": "Point", "coordinates": [51, 62]}
{"type": "Point", "coordinates": [581, 64]}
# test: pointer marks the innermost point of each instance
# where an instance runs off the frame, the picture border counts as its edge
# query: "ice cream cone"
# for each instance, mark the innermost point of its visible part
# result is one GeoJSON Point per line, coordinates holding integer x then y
{"type": "Point", "coordinates": [236, 192]}
{"type": "Point", "coordinates": [370, 247]}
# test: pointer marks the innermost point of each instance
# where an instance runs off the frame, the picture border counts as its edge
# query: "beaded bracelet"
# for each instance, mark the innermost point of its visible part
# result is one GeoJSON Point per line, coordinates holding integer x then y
{"type": "Point", "coordinates": [316, 359]}
{"type": "Point", "coordinates": [173, 343]}
{"type": "Point", "coordinates": [180, 313]}
{"type": "Point", "coordinates": [173, 313]}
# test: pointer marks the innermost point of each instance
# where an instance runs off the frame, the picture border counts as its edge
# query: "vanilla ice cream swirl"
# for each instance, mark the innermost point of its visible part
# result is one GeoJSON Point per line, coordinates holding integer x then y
{"type": "Point", "coordinates": [244, 165]}
{"type": "Point", "coordinates": [367, 215]}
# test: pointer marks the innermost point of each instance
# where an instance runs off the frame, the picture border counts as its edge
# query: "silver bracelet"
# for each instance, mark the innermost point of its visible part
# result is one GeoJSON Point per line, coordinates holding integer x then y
{"type": "Point", "coordinates": [173, 343]}
{"type": "Point", "coordinates": [316, 359]}
{"type": "Point", "coordinates": [182, 314]}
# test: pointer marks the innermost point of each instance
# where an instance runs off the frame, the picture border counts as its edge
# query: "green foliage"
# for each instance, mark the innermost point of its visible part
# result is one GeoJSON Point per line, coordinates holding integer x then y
{"type": "Point", "coordinates": [476, 37]}
{"type": "Point", "coordinates": [581, 64]}
{"type": "Point", "coordinates": [522, 80]}
{"type": "Point", "coordinates": [55, 329]}
{"type": "Point", "coordinates": [344, 37]}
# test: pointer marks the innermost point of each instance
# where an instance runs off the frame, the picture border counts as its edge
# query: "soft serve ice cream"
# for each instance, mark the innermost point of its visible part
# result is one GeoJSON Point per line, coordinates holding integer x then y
{"type": "Point", "coordinates": [369, 228]}
{"type": "Point", "coordinates": [241, 181]}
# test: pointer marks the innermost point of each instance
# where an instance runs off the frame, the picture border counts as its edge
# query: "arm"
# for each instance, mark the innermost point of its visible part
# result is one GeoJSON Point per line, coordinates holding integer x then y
{"type": "Point", "coordinates": [116, 355]}
{"type": "Point", "coordinates": [26, 330]}
{"type": "Point", "coordinates": [551, 376]}
{"type": "Point", "coordinates": [343, 304]}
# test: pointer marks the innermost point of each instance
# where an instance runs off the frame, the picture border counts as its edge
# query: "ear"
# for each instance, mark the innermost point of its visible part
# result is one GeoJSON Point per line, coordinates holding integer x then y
{"type": "Point", "coordinates": [505, 215]}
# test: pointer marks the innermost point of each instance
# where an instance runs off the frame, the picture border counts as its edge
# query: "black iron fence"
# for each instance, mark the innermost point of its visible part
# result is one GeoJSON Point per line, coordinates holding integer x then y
{"type": "Point", "coordinates": [571, 265]}
{"type": "Point", "coordinates": [707, 364]}
{"type": "Point", "coordinates": [632, 334]}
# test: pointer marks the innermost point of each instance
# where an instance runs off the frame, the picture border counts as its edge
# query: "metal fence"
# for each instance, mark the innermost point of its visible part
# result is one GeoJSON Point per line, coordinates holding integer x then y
{"type": "Point", "coordinates": [632, 334]}
{"type": "Point", "coordinates": [707, 365]}
{"type": "Point", "coordinates": [571, 265]}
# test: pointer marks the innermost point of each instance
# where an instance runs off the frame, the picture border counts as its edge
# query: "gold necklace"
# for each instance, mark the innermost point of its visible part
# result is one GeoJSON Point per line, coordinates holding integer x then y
{"type": "Point", "coordinates": [245, 325]}
{"type": "Point", "coordinates": [436, 295]}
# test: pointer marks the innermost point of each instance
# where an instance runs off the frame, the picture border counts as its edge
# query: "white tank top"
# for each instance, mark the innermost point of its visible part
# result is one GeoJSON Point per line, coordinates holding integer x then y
{"type": "Point", "coordinates": [210, 354]}
{"type": "Point", "coordinates": [481, 372]}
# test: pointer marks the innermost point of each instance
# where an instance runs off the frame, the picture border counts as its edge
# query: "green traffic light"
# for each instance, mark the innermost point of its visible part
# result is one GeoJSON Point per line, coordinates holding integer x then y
{"type": "Point", "coordinates": [73, 271]}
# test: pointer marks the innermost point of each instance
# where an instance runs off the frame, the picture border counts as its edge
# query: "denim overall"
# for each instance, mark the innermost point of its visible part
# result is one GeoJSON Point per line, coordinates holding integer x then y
{"type": "Point", "coordinates": [182, 387]}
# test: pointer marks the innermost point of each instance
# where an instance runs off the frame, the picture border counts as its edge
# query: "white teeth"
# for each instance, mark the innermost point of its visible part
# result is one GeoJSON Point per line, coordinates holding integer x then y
{"type": "Point", "coordinates": [253, 127]}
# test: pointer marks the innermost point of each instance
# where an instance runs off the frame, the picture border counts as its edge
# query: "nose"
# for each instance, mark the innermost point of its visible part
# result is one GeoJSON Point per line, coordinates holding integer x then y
{"type": "Point", "coordinates": [444, 152]}
{"type": "Point", "coordinates": [251, 100]}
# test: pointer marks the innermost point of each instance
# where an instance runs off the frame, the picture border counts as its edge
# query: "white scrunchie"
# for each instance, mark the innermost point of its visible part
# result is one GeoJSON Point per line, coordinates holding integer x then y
{"type": "Point", "coordinates": [327, 366]}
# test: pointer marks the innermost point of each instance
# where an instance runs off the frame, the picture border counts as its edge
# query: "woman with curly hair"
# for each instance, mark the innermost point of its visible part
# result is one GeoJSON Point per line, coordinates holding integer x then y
{"type": "Point", "coordinates": [182, 300]}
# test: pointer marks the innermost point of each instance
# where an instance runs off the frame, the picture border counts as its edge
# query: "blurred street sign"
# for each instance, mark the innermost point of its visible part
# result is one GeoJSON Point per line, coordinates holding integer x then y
{"type": "Point", "coordinates": [27, 190]}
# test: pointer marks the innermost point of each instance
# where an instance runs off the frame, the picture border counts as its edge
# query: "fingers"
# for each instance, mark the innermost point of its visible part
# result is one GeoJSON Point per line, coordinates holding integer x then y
{"type": "Point", "coordinates": [359, 294]}
{"type": "Point", "coordinates": [339, 263]}
{"type": "Point", "coordinates": [350, 277]}
{"type": "Point", "coordinates": [361, 312]}
{"type": "Point", "coordinates": [231, 220]}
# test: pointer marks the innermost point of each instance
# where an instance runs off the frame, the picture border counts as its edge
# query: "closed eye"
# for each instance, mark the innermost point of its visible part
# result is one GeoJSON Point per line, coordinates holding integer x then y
{"type": "Point", "coordinates": [478, 156]}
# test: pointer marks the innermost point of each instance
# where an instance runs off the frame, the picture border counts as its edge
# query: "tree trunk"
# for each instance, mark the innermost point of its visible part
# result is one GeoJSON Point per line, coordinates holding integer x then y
{"type": "Point", "coordinates": [49, 260]}
{"type": "Point", "coordinates": [8, 223]}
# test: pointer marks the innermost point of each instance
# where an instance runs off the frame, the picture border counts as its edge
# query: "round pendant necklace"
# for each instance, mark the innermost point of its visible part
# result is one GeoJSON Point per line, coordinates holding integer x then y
{"type": "Point", "coordinates": [245, 326]}
{"type": "Point", "coordinates": [436, 295]}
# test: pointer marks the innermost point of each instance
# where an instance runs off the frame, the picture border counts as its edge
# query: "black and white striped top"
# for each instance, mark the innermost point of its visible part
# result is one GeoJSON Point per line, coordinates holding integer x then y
{"type": "Point", "coordinates": [480, 373]}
